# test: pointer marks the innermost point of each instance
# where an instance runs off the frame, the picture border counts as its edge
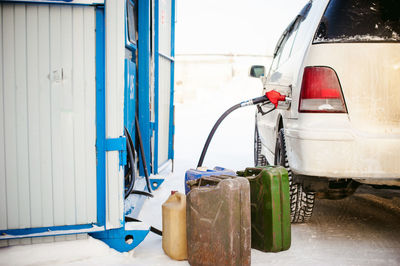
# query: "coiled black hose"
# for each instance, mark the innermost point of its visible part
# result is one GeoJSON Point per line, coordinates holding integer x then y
{"type": "Point", "coordinates": [131, 170]}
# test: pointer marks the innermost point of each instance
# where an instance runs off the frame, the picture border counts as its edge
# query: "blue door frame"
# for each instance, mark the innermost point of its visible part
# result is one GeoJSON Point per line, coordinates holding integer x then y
{"type": "Point", "coordinates": [101, 116]}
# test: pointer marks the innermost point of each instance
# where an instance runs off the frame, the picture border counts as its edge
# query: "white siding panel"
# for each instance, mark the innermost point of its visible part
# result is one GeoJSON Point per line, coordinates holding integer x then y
{"type": "Point", "coordinates": [46, 175]}
{"type": "Point", "coordinates": [10, 116]}
{"type": "Point", "coordinates": [47, 116]}
{"type": "Point", "coordinates": [67, 115]}
{"type": "Point", "coordinates": [22, 117]}
{"type": "Point", "coordinates": [164, 108]}
{"type": "Point", "coordinates": [33, 116]}
{"type": "Point", "coordinates": [39, 240]}
{"type": "Point", "coordinates": [67, 128]}
{"type": "Point", "coordinates": [3, 196]}
{"type": "Point", "coordinates": [23, 241]}
{"type": "Point", "coordinates": [115, 48]}
{"type": "Point", "coordinates": [79, 107]}
{"type": "Point", "coordinates": [56, 126]}
{"type": "Point", "coordinates": [90, 113]}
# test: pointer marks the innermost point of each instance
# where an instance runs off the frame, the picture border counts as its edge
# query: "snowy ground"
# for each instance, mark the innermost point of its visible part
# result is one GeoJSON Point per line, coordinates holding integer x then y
{"type": "Point", "coordinates": [361, 230]}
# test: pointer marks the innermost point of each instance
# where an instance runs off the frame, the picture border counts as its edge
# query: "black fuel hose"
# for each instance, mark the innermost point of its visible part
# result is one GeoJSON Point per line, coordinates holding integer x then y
{"type": "Point", "coordinates": [210, 136]}
{"type": "Point", "coordinates": [144, 193]}
{"type": "Point", "coordinates": [152, 229]}
{"type": "Point", "coordinates": [131, 165]}
{"type": "Point", "coordinates": [131, 169]}
{"type": "Point", "coordinates": [227, 112]}
{"type": "Point", "coordinates": [146, 172]}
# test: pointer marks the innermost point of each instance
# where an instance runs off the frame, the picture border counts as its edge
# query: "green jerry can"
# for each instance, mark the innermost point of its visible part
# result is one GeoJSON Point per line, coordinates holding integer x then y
{"type": "Point", "coordinates": [270, 208]}
{"type": "Point", "coordinates": [218, 221]}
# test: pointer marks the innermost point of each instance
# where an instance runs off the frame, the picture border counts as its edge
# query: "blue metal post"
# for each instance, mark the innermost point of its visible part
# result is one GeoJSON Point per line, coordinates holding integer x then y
{"type": "Point", "coordinates": [144, 77]}
{"type": "Point", "coordinates": [100, 117]}
{"type": "Point", "coordinates": [156, 81]}
{"type": "Point", "coordinates": [172, 109]}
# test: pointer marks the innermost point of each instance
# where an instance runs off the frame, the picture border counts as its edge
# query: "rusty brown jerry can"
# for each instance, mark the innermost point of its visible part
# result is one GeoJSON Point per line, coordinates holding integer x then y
{"type": "Point", "coordinates": [218, 221]}
{"type": "Point", "coordinates": [270, 208]}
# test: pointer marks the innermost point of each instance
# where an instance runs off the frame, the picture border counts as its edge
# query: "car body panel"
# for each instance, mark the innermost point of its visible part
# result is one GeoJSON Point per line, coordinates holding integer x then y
{"type": "Point", "coordinates": [360, 144]}
{"type": "Point", "coordinates": [370, 80]}
{"type": "Point", "coordinates": [330, 147]}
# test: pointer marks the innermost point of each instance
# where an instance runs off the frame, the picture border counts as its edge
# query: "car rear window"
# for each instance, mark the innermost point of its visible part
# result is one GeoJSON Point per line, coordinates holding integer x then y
{"type": "Point", "coordinates": [360, 21]}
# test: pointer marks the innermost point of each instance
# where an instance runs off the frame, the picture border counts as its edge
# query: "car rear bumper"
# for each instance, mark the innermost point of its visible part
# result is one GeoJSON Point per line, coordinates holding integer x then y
{"type": "Point", "coordinates": [343, 153]}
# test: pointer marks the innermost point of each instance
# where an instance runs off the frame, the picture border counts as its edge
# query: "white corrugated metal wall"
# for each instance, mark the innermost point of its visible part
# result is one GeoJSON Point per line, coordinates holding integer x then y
{"type": "Point", "coordinates": [164, 79]}
{"type": "Point", "coordinates": [47, 115]}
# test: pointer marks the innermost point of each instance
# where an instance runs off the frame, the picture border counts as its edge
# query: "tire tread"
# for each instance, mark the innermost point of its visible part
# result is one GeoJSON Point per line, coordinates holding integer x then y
{"type": "Point", "coordinates": [301, 202]}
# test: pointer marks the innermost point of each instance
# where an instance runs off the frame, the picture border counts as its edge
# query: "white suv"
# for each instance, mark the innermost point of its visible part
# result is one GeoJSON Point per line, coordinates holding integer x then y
{"type": "Point", "coordinates": [339, 61]}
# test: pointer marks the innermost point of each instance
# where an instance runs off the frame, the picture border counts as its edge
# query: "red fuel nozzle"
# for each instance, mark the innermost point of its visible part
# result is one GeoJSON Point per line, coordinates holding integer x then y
{"type": "Point", "coordinates": [274, 97]}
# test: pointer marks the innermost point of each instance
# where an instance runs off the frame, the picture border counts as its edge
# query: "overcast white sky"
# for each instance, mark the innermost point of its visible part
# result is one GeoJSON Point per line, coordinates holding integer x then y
{"type": "Point", "coordinates": [232, 26]}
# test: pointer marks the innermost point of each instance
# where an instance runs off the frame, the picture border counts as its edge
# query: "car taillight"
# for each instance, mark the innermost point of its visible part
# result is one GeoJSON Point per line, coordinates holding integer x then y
{"type": "Point", "coordinates": [321, 92]}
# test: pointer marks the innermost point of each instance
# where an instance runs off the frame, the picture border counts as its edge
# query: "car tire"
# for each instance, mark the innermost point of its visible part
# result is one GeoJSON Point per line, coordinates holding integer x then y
{"type": "Point", "coordinates": [301, 202]}
{"type": "Point", "coordinates": [259, 159]}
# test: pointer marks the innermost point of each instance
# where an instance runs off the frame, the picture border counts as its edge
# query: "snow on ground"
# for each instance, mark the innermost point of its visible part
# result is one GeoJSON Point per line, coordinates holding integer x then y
{"type": "Point", "coordinates": [361, 230]}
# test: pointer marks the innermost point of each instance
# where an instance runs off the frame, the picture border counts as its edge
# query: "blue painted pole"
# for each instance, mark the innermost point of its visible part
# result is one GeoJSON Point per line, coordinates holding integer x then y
{"type": "Point", "coordinates": [156, 81]}
{"type": "Point", "coordinates": [144, 77]}
{"type": "Point", "coordinates": [100, 117]}
{"type": "Point", "coordinates": [172, 109]}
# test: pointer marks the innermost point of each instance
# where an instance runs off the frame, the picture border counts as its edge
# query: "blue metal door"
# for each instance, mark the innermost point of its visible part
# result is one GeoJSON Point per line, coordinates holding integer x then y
{"type": "Point", "coordinates": [130, 67]}
{"type": "Point", "coordinates": [130, 96]}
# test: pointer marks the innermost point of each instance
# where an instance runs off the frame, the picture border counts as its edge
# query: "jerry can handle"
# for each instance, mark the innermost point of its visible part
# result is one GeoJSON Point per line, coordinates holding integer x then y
{"type": "Point", "coordinates": [209, 180]}
{"type": "Point", "coordinates": [249, 171]}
